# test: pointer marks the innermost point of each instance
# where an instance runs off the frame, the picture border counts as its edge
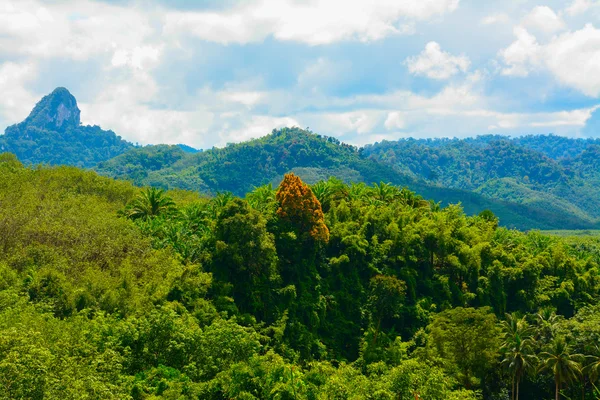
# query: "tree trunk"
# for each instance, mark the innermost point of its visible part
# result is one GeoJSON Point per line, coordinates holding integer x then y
{"type": "Point", "coordinates": [376, 332]}
{"type": "Point", "coordinates": [518, 381]}
{"type": "Point", "coordinates": [512, 393]}
{"type": "Point", "coordinates": [557, 389]}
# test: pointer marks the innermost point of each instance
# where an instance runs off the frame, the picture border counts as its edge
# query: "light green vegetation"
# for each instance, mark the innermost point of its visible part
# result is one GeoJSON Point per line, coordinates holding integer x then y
{"type": "Point", "coordinates": [331, 292]}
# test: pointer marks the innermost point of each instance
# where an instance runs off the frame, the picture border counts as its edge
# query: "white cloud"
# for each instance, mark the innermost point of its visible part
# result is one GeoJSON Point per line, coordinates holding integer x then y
{"type": "Point", "coordinates": [543, 19]}
{"type": "Point", "coordinates": [316, 23]}
{"type": "Point", "coordinates": [499, 18]}
{"type": "Point", "coordinates": [247, 98]}
{"type": "Point", "coordinates": [579, 7]}
{"type": "Point", "coordinates": [140, 57]}
{"type": "Point", "coordinates": [573, 58]}
{"type": "Point", "coordinates": [394, 120]}
{"type": "Point", "coordinates": [522, 56]}
{"type": "Point", "coordinates": [252, 128]}
{"type": "Point", "coordinates": [77, 30]}
{"type": "Point", "coordinates": [124, 106]}
{"type": "Point", "coordinates": [132, 94]}
{"type": "Point", "coordinates": [16, 102]}
{"type": "Point", "coordinates": [437, 64]}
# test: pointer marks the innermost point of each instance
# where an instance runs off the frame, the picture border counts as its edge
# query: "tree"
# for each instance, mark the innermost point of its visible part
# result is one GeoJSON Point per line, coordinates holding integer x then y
{"type": "Point", "coordinates": [593, 368]}
{"type": "Point", "coordinates": [300, 209]}
{"type": "Point", "coordinates": [150, 203]}
{"type": "Point", "coordinates": [517, 347]}
{"type": "Point", "coordinates": [564, 366]}
{"type": "Point", "coordinates": [387, 294]}
{"type": "Point", "coordinates": [263, 199]}
{"type": "Point", "coordinates": [245, 256]}
{"type": "Point", "coordinates": [384, 192]}
{"type": "Point", "coordinates": [467, 339]}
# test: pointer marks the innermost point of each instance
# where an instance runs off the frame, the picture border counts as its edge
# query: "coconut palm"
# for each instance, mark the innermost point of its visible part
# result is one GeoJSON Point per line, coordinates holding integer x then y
{"type": "Point", "coordinates": [565, 366]}
{"type": "Point", "coordinates": [518, 350]}
{"type": "Point", "coordinates": [546, 320]}
{"type": "Point", "coordinates": [151, 202]}
{"type": "Point", "coordinates": [593, 368]}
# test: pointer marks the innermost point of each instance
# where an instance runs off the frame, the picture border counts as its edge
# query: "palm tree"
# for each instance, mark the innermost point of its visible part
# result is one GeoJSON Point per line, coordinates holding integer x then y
{"type": "Point", "coordinates": [357, 191]}
{"type": "Point", "coordinates": [385, 191]}
{"type": "Point", "coordinates": [564, 366]}
{"type": "Point", "coordinates": [518, 349]}
{"type": "Point", "coordinates": [262, 198]}
{"type": "Point", "coordinates": [593, 368]}
{"type": "Point", "coordinates": [218, 202]}
{"type": "Point", "coordinates": [151, 202]}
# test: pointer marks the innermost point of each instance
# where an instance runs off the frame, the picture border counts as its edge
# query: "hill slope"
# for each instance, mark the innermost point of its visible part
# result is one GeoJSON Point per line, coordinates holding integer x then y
{"type": "Point", "coordinates": [238, 168]}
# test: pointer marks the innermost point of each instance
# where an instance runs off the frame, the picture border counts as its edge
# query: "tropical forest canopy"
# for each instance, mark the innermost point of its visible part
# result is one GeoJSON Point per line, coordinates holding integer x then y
{"type": "Point", "coordinates": [294, 291]}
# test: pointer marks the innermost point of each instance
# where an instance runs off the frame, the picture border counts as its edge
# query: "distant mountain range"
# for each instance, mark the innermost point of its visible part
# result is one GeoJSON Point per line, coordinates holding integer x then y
{"type": "Point", "coordinates": [543, 182]}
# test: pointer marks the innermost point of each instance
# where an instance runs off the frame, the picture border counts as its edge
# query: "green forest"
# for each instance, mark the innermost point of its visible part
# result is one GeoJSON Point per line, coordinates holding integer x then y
{"type": "Point", "coordinates": [524, 188]}
{"type": "Point", "coordinates": [327, 290]}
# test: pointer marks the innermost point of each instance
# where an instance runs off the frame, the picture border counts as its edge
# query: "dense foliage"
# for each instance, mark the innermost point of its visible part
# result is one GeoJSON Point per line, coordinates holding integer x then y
{"type": "Point", "coordinates": [52, 134]}
{"type": "Point", "coordinates": [109, 291]}
{"type": "Point", "coordinates": [557, 173]}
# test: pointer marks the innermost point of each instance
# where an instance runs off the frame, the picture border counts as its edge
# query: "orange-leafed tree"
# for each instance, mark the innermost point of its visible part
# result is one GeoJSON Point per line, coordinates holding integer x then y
{"type": "Point", "coordinates": [299, 208]}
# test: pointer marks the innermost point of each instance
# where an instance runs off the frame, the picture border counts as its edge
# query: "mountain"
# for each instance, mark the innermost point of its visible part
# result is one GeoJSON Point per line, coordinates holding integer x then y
{"type": "Point", "coordinates": [53, 134]}
{"type": "Point", "coordinates": [239, 168]}
{"type": "Point", "coordinates": [541, 182]}
{"type": "Point", "coordinates": [555, 173]}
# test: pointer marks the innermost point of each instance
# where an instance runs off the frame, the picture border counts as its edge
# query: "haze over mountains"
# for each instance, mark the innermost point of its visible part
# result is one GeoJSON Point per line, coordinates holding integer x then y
{"type": "Point", "coordinates": [543, 182]}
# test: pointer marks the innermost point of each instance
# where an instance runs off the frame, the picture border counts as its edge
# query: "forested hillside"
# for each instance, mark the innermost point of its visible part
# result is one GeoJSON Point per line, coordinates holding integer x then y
{"type": "Point", "coordinates": [53, 134]}
{"type": "Point", "coordinates": [328, 291]}
{"type": "Point", "coordinates": [551, 172]}
{"type": "Point", "coordinates": [238, 168]}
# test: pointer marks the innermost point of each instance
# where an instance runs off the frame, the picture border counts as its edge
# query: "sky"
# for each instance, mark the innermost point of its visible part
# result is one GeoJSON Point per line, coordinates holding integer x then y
{"type": "Point", "coordinates": [208, 73]}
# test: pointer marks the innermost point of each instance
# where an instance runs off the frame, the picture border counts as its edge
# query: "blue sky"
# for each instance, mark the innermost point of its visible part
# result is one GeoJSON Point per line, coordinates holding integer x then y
{"type": "Point", "coordinates": [207, 73]}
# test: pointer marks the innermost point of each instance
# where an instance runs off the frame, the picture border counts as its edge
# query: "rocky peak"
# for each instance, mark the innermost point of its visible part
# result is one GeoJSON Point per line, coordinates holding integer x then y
{"type": "Point", "coordinates": [56, 111]}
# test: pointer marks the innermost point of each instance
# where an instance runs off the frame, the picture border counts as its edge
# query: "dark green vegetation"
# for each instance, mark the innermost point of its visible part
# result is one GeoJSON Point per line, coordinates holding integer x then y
{"type": "Point", "coordinates": [333, 292]}
{"type": "Point", "coordinates": [52, 134]}
{"type": "Point", "coordinates": [557, 174]}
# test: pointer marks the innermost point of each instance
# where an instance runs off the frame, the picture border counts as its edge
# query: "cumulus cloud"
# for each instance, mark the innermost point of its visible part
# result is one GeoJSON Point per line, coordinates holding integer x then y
{"type": "Point", "coordinates": [77, 30]}
{"type": "Point", "coordinates": [153, 81]}
{"type": "Point", "coordinates": [437, 64]}
{"type": "Point", "coordinates": [573, 58]}
{"type": "Point", "coordinates": [522, 56]}
{"type": "Point", "coordinates": [544, 19]}
{"type": "Point", "coordinates": [579, 7]}
{"type": "Point", "coordinates": [316, 23]}
{"type": "Point", "coordinates": [16, 102]}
